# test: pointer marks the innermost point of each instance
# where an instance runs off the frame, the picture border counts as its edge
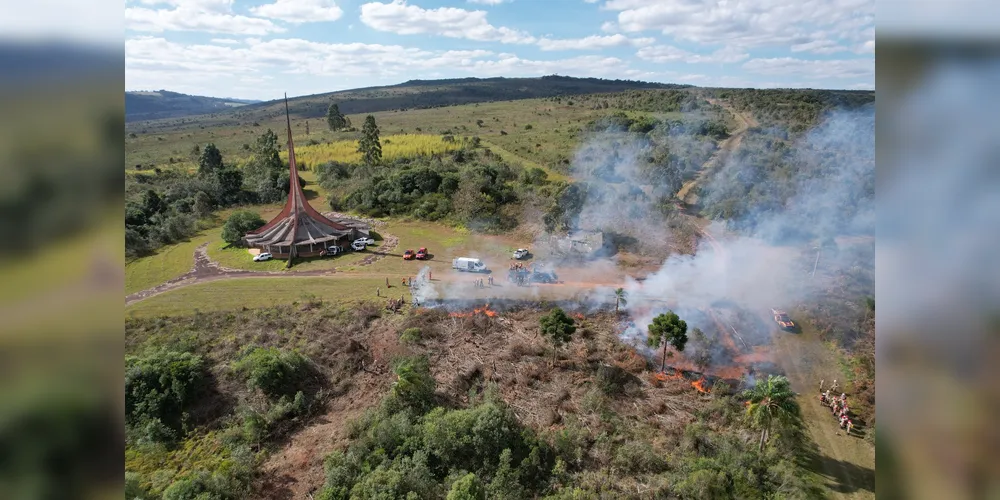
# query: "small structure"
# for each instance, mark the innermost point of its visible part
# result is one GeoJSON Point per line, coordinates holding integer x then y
{"type": "Point", "coordinates": [581, 244]}
{"type": "Point", "coordinates": [299, 230]}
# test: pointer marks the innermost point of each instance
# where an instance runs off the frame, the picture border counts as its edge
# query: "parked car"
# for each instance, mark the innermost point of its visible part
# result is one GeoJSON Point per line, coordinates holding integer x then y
{"type": "Point", "coordinates": [521, 253]}
{"type": "Point", "coordinates": [421, 253]}
{"type": "Point", "coordinates": [334, 250]}
{"type": "Point", "coordinates": [365, 241]}
{"type": "Point", "coordinates": [261, 257]}
{"type": "Point", "coordinates": [358, 246]}
{"type": "Point", "coordinates": [408, 255]}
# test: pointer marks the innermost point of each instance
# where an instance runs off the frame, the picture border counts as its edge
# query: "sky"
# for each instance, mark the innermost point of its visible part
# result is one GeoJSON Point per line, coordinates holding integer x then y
{"type": "Point", "coordinates": [261, 49]}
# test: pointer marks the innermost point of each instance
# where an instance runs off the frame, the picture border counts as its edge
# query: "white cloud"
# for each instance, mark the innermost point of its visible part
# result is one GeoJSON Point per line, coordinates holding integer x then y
{"type": "Point", "coordinates": [488, 2]}
{"type": "Point", "coordinates": [666, 54]}
{"type": "Point", "coordinates": [609, 27]}
{"type": "Point", "coordinates": [819, 47]}
{"type": "Point", "coordinates": [211, 16]}
{"type": "Point", "coordinates": [225, 41]}
{"type": "Point", "coordinates": [265, 68]}
{"type": "Point", "coordinates": [403, 19]}
{"type": "Point", "coordinates": [814, 69]}
{"type": "Point", "coordinates": [745, 23]}
{"type": "Point", "coordinates": [300, 11]}
{"type": "Point", "coordinates": [593, 42]}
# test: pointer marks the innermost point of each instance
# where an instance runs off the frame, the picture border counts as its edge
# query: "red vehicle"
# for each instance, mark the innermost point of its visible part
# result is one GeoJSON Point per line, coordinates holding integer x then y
{"type": "Point", "coordinates": [408, 255]}
{"type": "Point", "coordinates": [782, 319]}
{"type": "Point", "coordinates": [421, 253]}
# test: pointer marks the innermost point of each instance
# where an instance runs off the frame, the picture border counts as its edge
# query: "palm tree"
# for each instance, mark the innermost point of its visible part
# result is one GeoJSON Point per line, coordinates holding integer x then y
{"type": "Point", "coordinates": [769, 401]}
{"type": "Point", "coordinates": [621, 298]}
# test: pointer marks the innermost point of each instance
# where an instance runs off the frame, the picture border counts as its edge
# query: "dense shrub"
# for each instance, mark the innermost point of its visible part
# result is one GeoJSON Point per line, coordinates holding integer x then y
{"type": "Point", "coordinates": [274, 371]}
{"type": "Point", "coordinates": [238, 224]}
{"type": "Point", "coordinates": [403, 454]}
{"type": "Point", "coordinates": [414, 387]}
{"type": "Point", "coordinates": [159, 388]}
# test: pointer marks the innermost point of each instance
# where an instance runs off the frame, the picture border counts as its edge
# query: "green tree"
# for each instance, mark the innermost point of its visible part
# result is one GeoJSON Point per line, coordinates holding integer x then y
{"type": "Point", "coordinates": [230, 183]}
{"type": "Point", "coordinates": [770, 401]}
{"type": "Point", "coordinates": [468, 487]}
{"type": "Point", "coordinates": [239, 224]}
{"type": "Point", "coordinates": [210, 161]}
{"type": "Point", "coordinates": [203, 203]}
{"type": "Point", "coordinates": [667, 329]}
{"type": "Point", "coordinates": [369, 145]}
{"type": "Point", "coordinates": [152, 204]}
{"type": "Point", "coordinates": [621, 298]}
{"type": "Point", "coordinates": [414, 385]}
{"type": "Point", "coordinates": [334, 118]}
{"type": "Point", "coordinates": [262, 172]}
{"type": "Point", "coordinates": [558, 327]}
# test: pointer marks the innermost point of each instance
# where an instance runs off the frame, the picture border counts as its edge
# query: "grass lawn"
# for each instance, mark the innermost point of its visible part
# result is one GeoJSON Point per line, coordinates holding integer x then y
{"type": "Point", "coordinates": [258, 292]}
{"type": "Point", "coordinates": [240, 258]}
{"type": "Point", "coordinates": [443, 243]}
{"type": "Point", "coordinates": [166, 264]}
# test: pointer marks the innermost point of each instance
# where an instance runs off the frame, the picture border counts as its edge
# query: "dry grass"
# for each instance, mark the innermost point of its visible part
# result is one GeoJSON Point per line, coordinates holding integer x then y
{"type": "Point", "coordinates": [393, 147]}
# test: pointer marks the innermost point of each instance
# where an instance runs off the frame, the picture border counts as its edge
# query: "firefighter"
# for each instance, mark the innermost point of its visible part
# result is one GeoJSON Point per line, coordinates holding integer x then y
{"type": "Point", "coordinates": [378, 292]}
{"type": "Point", "coordinates": [850, 425]}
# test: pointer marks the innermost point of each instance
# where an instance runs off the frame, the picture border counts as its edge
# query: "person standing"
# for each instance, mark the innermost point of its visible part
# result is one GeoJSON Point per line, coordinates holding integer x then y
{"type": "Point", "coordinates": [378, 292]}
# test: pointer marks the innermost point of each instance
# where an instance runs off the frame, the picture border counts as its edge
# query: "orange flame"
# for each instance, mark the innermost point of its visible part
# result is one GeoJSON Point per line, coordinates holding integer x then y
{"type": "Point", "coordinates": [663, 377]}
{"type": "Point", "coordinates": [578, 316]}
{"type": "Point", "coordinates": [479, 310]}
{"type": "Point", "coordinates": [700, 385]}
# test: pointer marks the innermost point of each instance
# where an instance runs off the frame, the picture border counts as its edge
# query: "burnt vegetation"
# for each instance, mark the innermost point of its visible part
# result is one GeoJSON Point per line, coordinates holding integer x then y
{"type": "Point", "coordinates": [450, 403]}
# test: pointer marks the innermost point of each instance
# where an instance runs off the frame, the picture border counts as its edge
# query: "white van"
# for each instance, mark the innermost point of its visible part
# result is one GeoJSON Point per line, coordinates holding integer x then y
{"type": "Point", "coordinates": [469, 264]}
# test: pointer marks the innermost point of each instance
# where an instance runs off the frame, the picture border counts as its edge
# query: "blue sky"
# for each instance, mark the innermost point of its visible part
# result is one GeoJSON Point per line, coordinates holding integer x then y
{"type": "Point", "coordinates": [260, 49]}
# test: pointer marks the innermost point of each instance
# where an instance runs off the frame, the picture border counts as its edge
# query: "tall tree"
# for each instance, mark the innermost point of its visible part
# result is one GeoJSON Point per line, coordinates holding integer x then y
{"type": "Point", "coordinates": [210, 160]}
{"type": "Point", "coordinates": [239, 224]}
{"type": "Point", "coordinates": [262, 172]}
{"type": "Point", "coordinates": [558, 327]}
{"type": "Point", "coordinates": [621, 298]}
{"type": "Point", "coordinates": [369, 145]}
{"type": "Point", "coordinates": [667, 329]}
{"type": "Point", "coordinates": [334, 118]}
{"type": "Point", "coordinates": [770, 401]}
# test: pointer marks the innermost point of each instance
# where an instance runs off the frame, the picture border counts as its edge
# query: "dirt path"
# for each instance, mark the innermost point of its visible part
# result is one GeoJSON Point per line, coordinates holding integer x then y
{"type": "Point", "coordinates": [726, 147]}
{"type": "Point", "coordinates": [845, 464]}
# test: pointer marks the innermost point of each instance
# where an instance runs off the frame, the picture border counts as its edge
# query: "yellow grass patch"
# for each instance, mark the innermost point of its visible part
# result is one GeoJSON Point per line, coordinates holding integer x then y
{"type": "Point", "coordinates": [393, 147]}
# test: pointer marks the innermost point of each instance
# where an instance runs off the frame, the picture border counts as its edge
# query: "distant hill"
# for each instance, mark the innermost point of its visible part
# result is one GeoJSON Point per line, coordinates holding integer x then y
{"type": "Point", "coordinates": [416, 94]}
{"type": "Point", "coordinates": [151, 105]}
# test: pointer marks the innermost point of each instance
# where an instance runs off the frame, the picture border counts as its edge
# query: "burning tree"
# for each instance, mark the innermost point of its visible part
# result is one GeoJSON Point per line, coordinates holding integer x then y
{"type": "Point", "coordinates": [768, 401]}
{"type": "Point", "coordinates": [667, 329]}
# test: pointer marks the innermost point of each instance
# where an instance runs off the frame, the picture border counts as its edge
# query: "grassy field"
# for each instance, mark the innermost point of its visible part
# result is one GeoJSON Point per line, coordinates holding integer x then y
{"type": "Point", "coordinates": [256, 292]}
{"type": "Point", "coordinates": [393, 147]}
{"type": "Point", "coordinates": [551, 138]}
{"type": "Point", "coordinates": [168, 263]}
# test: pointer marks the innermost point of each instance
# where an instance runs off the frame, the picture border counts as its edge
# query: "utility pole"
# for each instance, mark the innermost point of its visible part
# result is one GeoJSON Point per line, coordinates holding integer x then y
{"type": "Point", "coordinates": [817, 261]}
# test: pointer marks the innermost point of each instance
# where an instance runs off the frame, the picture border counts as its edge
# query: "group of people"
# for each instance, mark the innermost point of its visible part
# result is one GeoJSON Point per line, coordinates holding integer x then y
{"type": "Point", "coordinates": [837, 405]}
{"type": "Point", "coordinates": [481, 283]}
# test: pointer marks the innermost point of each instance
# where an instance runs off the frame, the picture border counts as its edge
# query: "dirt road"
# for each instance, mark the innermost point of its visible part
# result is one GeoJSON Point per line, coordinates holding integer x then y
{"type": "Point", "coordinates": [845, 464]}
{"type": "Point", "coordinates": [726, 147]}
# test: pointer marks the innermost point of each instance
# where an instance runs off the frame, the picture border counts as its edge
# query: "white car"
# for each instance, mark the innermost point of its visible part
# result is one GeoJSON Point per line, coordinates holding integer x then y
{"type": "Point", "coordinates": [521, 253]}
{"type": "Point", "coordinates": [365, 241]}
{"type": "Point", "coordinates": [358, 246]}
{"type": "Point", "coordinates": [261, 257]}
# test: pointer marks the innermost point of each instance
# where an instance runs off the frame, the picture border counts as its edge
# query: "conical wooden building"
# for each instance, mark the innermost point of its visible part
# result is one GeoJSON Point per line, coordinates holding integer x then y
{"type": "Point", "coordinates": [299, 230]}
